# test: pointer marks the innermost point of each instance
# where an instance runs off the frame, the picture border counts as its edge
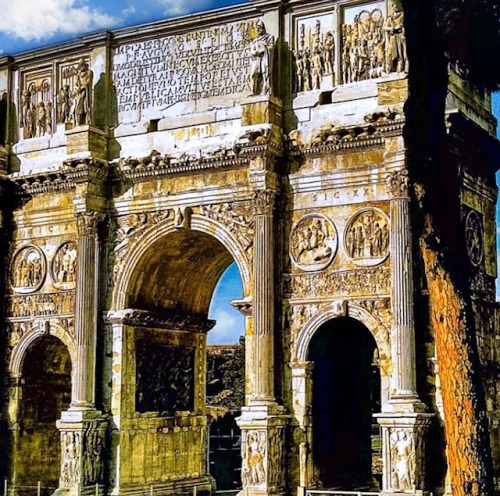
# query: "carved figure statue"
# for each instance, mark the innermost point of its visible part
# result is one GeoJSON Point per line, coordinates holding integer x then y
{"type": "Point", "coordinates": [48, 118]}
{"type": "Point", "coordinates": [41, 119]}
{"type": "Point", "coordinates": [261, 53]}
{"type": "Point", "coordinates": [254, 473]}
{"type": "Point", "coordinates": [396, 58]}
{"type": "Point", "coordinates": [403, 460]}
{"type": "Point", "coordinates": [28, 115]}
{"type": "Point", "coordinates": [64, 104]}
{"type": "Point", "coordinates": [329, 53]}
{"type": "Point", "coordinates": [69, 469]}
{"type": "Point", "coordinates": [83, 94]}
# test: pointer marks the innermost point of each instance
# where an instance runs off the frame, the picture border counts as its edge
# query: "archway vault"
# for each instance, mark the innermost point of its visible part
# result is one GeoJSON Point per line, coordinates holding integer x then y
{"type": "Point", "coordinates": [378, 330]}
{"type": "Point", "coordinates": [38, 331]}
{"type": "Point", "coordinates": [177, 268]}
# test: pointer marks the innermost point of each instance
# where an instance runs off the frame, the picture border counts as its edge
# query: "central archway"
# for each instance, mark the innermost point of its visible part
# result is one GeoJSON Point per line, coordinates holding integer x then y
{"type": "Point", "coordinates": [346, 392]}
{"type": "Point", "coordinates": [168, 295]}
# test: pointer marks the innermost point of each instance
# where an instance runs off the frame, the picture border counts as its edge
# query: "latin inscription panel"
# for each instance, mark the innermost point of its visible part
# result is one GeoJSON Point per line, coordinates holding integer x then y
{"type": "Point", "coordinates": [157, 74]}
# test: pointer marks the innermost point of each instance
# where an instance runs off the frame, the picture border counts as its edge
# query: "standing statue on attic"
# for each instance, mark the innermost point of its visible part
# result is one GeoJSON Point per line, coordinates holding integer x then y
{"type": "Point", "coordinates": [261, 52]}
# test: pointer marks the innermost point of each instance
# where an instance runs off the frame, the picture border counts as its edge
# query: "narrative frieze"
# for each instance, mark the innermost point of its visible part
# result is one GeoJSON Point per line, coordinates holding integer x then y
{"type": "Point", "coordinates": [41, 304]}
{"type": "Point", "coordinates": [207, 63]}
{"type": "Point", "coordinates": [345, 283]}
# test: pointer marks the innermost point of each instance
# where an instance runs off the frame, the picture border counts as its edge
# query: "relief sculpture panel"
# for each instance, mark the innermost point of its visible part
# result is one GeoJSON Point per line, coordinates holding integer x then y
{"type": "Point", "coordinates": [28, 269]}
{"type": "Point", "coordinates": [366, 238]}
{"type": "Point", "coordinates": [253, 472]}
{"type": "Point", "coordinates": [313, 243]}
{"type": "Point", "coordinates": [36, 105]}
{"type": "Point", "coordinates": [63, 269]}
{"type": "Point", "coordinates": [373, 45]}
{"type": "Point", "coordinates": [474, 237]}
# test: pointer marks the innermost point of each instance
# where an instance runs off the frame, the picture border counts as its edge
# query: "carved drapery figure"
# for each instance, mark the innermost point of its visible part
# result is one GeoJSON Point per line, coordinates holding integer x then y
{"type": "Point", "coordinates": [64, 104]}
{"type": "Point", "coordinates": [64, 264]}
{"type": "Point", "coordinates": [27, 269]}
{"type": "Point", "coordinates": [403, 460]}
{"type": "Point", "coordinates": [70, 460]}
{"type": "Point", "coordinates": [396, 58]}
{"type": "Point", "coordinates": [261, 52]}
{"type": "Point", "coordinates": [83, 95]}
{"type": "Point", "coordinates": [253, 471]}
{"type": "Point", "coordinates": [36, 109]}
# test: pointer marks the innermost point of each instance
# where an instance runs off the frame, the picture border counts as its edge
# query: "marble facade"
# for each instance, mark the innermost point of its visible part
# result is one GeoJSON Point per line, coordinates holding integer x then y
{"type": "Point", "coordinates": [136, 165]}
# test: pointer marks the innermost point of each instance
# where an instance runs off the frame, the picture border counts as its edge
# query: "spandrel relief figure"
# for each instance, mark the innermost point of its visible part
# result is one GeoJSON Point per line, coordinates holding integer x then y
{"type": "Point", "coordinates": [28, 270]}
{"type": "Point", "coordinates": [313, 243]}
{"type": "Point", "coordinates": [261, 53]}
{"type": "Point", "coordinates": [367, 238]}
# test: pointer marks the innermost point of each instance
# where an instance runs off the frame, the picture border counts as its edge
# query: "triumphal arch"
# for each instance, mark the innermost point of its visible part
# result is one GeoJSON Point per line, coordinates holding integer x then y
{"type": "Point", "coordinates": [138, 164]}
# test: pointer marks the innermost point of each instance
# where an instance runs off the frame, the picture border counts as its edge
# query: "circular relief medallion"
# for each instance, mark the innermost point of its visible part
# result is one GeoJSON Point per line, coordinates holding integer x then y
{"type": "Point", "coordinates": [474, 237]}
{"type": "Point", "coordinates": [366, 238]}
{"type": "Point", "coordinates": [28, 269]}
{"type": "Point", "coordinates": [63, 269]}
{"type": "Point", "coordinates": [313, 242]}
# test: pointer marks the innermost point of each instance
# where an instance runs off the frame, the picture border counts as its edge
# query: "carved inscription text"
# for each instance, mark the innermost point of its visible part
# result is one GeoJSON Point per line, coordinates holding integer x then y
{"type": "Point", "coordinates": [207, 63]}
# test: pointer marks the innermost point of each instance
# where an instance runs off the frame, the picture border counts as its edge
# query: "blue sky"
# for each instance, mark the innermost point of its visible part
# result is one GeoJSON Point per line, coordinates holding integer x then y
{"type": "Point", "coordinates": [28, 24]}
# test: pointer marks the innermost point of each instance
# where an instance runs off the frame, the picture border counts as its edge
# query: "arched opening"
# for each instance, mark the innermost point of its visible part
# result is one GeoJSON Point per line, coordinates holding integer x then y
{"type": "Point", "coordinates": [346, 393]}
{"type": "Point", "coordinates": [46, 392]}
{"type": "Point", "coordinates": [170, 294]}
{"type": "Point", "coordinates": [226, 381]}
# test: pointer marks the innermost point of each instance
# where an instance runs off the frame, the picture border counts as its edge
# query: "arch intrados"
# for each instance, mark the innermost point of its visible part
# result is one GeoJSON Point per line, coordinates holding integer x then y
{"type": "Point", "coordinates": [29, 339]}
{"type": "Point", "coordinates": [355, 312]}
{"type": "Point", "coordinates": [159, 233]}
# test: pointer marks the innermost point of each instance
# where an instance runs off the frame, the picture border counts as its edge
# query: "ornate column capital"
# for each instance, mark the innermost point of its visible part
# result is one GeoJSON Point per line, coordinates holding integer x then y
{"type": "Point", "coordinates": [398, 184]}
{"type": "Point", "coordinates": [88, 222]}
{"type": "Point", "coordinates": [263, 202]}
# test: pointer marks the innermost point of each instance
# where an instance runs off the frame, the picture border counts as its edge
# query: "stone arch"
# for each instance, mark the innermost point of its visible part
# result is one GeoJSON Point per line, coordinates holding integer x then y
{"type": "Point", "coordinates": [37, 332]}
{"type": "Point", "coordinates": [155, 233]}
{"type": "Point", "coordinates": [379, 331]}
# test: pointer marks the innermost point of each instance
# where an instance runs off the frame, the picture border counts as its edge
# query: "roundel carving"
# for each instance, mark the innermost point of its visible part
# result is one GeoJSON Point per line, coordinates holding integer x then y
{"type": "Point", "coordinates": [474, 237]}
{"type": "Point", "coordinates": [313, 242]}
{"type": "Point", "coordinates": [63, 268]}
{"type": "Point", "coordinates": [366, 238]}
{"type": "Point", "coordinates": [28, 269]}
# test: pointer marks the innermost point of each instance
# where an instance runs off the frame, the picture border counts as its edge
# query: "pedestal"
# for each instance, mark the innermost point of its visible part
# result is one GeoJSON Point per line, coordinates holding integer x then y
{"type": "Point", "coordinates": [86, 142]}
{"type": "Point", "coordinates": [263, 450]}
{"type": "Point", "coordinates": [83, 453]}
{"type": "Point", "coordinates": [403, 451]}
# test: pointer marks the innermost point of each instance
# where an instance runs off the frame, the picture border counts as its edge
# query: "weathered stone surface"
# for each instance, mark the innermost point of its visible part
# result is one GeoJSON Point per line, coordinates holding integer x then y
{"type": "Point", "coordinates": [140, 165]}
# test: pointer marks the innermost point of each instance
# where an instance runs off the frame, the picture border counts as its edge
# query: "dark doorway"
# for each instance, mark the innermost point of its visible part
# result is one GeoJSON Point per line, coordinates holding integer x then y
{"type": "Point", "coordinates": [346, 393]}
{"type": "Point", "coordinates": [46, 391]}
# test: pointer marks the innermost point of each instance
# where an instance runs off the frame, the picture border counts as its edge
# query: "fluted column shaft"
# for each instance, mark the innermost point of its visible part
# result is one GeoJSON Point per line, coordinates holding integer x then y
{"type": "Point", "coordinates": [263, 298]}
{"type": "Point", "coordinates": [87, 290]}
{"type": "Point", "coordinates": [403, 332]}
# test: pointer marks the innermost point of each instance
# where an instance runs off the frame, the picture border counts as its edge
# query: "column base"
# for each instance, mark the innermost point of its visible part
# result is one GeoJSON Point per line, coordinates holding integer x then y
{"type": "Point", "coordinates": [403, 440]}
{"type": "Point", "coordinates": [83, 445]}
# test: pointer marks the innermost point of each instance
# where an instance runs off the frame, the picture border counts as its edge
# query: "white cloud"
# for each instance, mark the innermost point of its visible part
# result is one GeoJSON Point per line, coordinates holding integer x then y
{"type": "Point", "coordinates": [21, 19]}
{"type": "Point", "coordinates": [181, 7]}
{"type": "Point", "coordinates": [128, 11]}
{"type": "Point", "coordinates": [228, 329]}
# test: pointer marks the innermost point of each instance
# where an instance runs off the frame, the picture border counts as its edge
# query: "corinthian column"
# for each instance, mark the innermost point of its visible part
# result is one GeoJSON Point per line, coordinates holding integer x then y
{"type": "Point", "coordinates": [263, 299]}
{"type": "Point", "coordinates": [87, 285]}
{"type": "Point", "coordinates": [403, 332]}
